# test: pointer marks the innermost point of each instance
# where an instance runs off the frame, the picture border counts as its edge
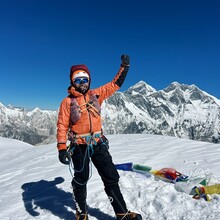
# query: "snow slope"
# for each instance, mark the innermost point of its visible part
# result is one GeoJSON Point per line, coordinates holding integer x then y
{"type": "Point", "coordinates": [35, 185]}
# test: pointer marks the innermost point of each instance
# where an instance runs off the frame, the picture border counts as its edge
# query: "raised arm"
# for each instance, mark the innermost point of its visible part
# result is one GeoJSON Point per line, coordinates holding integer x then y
{"type": "Point", "coordinates": [110, 88]}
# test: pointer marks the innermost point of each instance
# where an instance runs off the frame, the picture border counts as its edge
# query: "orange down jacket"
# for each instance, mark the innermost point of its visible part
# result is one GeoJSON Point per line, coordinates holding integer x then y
{"type": "Point", "coordinates": [90, 120]}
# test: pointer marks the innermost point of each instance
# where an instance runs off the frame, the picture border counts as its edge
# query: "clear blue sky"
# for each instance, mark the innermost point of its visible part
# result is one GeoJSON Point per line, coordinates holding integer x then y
{"type": "Point", "coordinates": [167, 41]}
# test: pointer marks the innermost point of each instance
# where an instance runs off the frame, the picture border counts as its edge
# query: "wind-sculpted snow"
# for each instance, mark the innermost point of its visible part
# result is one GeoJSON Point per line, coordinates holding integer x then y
{"type": "Point", "coordinates": [35, 185]}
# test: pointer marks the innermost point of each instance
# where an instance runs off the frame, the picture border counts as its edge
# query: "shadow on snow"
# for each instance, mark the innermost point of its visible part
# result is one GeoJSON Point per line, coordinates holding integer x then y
{"type": "Point", "coordinates": [47, 196]}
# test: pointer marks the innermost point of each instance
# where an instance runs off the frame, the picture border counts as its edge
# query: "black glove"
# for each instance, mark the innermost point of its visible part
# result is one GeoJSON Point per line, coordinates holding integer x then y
{"type": "Point", "coordinates": [64, 157]}
{"type": "Point", "coordinates": [125, 60]}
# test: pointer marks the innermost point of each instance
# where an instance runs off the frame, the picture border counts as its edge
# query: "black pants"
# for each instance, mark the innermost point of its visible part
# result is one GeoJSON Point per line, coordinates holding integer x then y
{"type": "Point", "coordinates": [102, 160]}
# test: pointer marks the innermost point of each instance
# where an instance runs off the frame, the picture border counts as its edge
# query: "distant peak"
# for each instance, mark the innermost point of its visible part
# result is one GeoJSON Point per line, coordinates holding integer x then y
{"type": "Point", "coordinates": [10, 106]}
{"type": "Point", "coordinates": [179, 86]}
{"type": "Point", "coordinates": [142, 88]}
{"type": "Point", "coordinates": [141, 82]}
{"type": "Point", "coordinates": [191, 92]}
{"type": "Point", "coordinates": [36, 109]}
{"type": "Point", "coordinates": [184, 86]}
{"type": "Point", "coordinates": [175, 83]}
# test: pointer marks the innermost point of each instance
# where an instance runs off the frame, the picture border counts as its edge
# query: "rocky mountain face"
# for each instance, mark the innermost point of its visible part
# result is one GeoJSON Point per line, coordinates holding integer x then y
{"type": "Point", "coordinates": [34, 127]}
{"type": "Point", "coordinates": [179, 110]}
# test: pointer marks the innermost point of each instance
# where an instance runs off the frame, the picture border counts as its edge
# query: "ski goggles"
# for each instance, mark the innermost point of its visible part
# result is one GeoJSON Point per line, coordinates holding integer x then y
{"type": "Point", "coordinates": [81, 80]}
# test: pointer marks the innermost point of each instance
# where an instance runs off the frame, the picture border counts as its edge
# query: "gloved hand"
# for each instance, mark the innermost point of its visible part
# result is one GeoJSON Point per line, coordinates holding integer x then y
{"type": "Point", "coordinates": [64, 156]}
{"type": "Point", "coordinates": [125, 60]}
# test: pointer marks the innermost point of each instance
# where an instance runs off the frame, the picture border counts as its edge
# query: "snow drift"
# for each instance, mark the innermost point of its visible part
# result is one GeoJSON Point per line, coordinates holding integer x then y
{"type": "Point", "coordinates": [35, 185]}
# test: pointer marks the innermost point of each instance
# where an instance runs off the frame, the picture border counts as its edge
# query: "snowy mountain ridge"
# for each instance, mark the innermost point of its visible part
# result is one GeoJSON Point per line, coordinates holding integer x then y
{"type": "Point", "coordinates": [179, 110]}
{"type": "Point", "coordinates": [32, 126]}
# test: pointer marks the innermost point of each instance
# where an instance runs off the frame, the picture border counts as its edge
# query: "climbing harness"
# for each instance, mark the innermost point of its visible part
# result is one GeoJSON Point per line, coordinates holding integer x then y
{"type": "Point", "coordinates": [90, 141]}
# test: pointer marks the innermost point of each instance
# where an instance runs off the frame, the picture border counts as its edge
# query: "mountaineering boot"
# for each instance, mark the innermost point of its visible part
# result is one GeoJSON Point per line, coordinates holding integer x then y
{"type": "Point", "coordinates": [82, 216]}
{"type": "Point", "coordinates": [79, 197]}
{"type": "Point", "coordinates": [128, 216]}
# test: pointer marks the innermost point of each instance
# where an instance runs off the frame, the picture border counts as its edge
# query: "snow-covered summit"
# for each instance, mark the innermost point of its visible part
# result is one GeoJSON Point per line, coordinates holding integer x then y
{"type": "Point", "coordinates": [140, 88]}
{"type": "Point", "coordinates": [179, 110]}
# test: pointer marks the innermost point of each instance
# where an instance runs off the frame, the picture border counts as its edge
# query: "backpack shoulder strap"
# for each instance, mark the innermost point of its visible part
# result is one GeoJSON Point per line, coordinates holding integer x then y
{"type": "Point", "coordinates": [72, 98]}
{"type": "Point", "coordinates": [75, 113]}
